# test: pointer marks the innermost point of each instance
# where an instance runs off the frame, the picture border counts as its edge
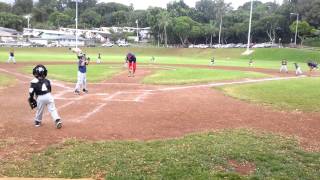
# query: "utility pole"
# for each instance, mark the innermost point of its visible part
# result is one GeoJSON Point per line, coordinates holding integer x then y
{"type": "Point", "coordinates": [297, 24]}
{"type": "Point", "coordinates": [247, 52]}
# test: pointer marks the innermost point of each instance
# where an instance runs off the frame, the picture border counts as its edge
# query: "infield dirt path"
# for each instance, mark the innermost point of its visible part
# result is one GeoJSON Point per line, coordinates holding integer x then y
{"type": "Point", "coordinates": [122, 108]}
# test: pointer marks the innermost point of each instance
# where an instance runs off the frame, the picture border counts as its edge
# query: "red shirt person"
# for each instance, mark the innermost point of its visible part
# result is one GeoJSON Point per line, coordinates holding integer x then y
{"type": "Point", "coordinates": [132, 64]}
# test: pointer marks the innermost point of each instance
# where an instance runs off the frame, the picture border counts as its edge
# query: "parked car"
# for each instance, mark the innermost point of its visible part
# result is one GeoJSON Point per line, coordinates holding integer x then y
{"type": "Point", "coordinates": [107, 44]}
{"type": "Point", "coordinates": [123, 44]}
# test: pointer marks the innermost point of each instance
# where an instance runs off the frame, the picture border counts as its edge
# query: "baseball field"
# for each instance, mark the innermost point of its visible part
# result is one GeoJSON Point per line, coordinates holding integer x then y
{"type": "Point", "coordinates": [178, 118]}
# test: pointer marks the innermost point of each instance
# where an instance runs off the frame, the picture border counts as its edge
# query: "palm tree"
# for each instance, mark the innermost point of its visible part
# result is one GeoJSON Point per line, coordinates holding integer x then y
{"type": "Point", "coordinates": [164, 20]}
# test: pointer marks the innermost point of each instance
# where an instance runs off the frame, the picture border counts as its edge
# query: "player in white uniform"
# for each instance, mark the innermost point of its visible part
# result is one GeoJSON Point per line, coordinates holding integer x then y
{"type": "Point", "coordinates": [41, 88]}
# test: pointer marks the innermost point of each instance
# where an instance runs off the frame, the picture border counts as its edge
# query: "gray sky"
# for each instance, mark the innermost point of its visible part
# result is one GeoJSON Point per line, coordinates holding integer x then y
{"type": "Point", "coordinates": [144, 4]}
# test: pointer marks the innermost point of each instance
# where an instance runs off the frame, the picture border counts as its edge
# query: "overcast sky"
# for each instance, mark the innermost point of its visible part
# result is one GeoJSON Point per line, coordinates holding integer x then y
{"type": "Point", "coordinates": [144, 4]}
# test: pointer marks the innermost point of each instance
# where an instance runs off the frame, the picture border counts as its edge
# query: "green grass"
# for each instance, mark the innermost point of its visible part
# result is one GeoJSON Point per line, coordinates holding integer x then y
{"type": "Point", "coordinates": [95, 73]}
{"type": "Point", "coordinates": [314, 42]}
{"type": "Point", "coordinates": [6, 80]}
{"type": "Point", "coordinates": [264, 58]}
{"type": "Point", "coordinates": [299, 94]}
{"type": "Point", "coordinates": [202, 156]}
{"type": "Point", "coordinates": [189, 75]}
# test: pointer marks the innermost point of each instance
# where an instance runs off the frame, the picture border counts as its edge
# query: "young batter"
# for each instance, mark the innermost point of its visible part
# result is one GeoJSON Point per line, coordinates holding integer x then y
{"type": "Point", "coordinates": [40, 88]}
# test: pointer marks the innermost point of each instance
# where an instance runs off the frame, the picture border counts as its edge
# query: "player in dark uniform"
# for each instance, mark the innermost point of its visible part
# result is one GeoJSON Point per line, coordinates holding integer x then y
{"type": "Point", "coordinates": [132, 60]}
{"type": "Point", "coordinates": [11, 57]}
{"type": "Point", "coordinates": [40, 88]}
{"type": "Point", "coordinates": [312, 65]}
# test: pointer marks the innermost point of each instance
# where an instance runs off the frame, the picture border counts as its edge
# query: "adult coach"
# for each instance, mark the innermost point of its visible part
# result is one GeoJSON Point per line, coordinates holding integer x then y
{"type": "Point", "coordinates": [132, 60]}
{"type": "Point", "coordinates": [83, 61]}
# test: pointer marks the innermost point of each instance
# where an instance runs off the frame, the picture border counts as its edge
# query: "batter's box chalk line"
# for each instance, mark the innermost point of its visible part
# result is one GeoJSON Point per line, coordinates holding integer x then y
{"type": "Point", "coordinates": [128, 96]}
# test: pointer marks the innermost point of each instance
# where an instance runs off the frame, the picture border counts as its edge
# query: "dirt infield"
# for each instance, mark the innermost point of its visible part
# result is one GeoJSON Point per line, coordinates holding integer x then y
{"type": "Point", "coordinates": [122, 108]}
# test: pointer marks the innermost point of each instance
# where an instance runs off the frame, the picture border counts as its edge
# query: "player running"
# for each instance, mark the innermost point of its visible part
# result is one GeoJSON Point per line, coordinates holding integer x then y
{"type": "Point", "coordinates": [312, 65]}
{"type": "Point", "coordinates": [41, 88]}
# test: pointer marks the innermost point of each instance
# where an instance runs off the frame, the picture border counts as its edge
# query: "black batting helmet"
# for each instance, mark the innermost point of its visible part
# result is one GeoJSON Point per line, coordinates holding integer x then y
{"type": "Point", "coordinates": [40, 71]}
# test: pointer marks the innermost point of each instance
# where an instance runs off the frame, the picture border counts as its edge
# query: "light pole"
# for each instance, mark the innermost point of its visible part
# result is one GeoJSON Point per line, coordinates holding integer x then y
{"type": "Point", "coordinates": [28, 16]}
{"type": "Point", "coordinates": [76, 21]}
{"type": "Point", "coordinates": [220, 29]}
{"type": "Point", "coordinates": [137, 22]}
{"type": "Point", "coordinates": [76, 24]}
{"type": "Point", "coordinates": [297, 24]}
{"type": "Point", "coordinates": [247, 52]}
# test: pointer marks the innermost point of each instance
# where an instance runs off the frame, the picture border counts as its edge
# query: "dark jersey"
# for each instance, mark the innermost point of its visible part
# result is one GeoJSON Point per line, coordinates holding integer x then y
{"type": "Point", "coordinates": [312, 64]}
{"type": "Point", "coordinates": [131, 58]}
{"type": "Point", "coordinates": [39, 87]}
{"type": "Point", "coordinates": [11, 54]}
{"type": "Point", "coordinates": [284, 62]}
{"type": "Point", "coordinates": [82, 65]}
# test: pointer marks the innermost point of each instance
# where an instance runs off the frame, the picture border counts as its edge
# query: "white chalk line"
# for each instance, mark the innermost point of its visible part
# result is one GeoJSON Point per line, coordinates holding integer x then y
{"type": "Point", "coordinates": [225, 83]}
{"type": "Point", "coordinates": [94, 111]}
{"type": "Point", "coordinates": [141, 97]}
{"type": "Point", "coordinates": [16, 74]}
{"type": "Point", "coordinates": [56, 83]}
{"type": "Point", "coordinates": [130, 84]}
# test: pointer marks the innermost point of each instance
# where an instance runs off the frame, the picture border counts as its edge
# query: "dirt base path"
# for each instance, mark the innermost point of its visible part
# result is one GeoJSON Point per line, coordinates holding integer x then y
{"type": "Point", "coordinates": [122, 109]}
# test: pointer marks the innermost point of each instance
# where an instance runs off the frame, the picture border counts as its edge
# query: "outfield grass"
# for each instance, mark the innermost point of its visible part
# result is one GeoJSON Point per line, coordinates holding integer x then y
{"type": "Point", "coordinates": [202, 156]}
{"type": "Point", "coordinates": [189, 75]}
{"type": "Point", "coordinates": [264, 58]}
{"type": "Point", "coordinates": [6, 80]}
{"type": "Point", "coordinates": [68, 72]}
{"type": "Point", "coordinates": [299, 94]}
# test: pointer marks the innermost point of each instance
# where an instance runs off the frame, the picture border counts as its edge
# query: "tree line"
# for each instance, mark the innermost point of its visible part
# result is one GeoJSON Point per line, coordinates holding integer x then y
{"type": "Point", "coordinates": [177, 23]}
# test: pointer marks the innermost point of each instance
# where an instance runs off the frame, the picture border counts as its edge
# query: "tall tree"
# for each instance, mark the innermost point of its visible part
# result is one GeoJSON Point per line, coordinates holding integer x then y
{"type": "Point", "coordinates": [164, 21]}
{"type": "Point", "coordinates": [91, 18]}
{"type": "Point", "coordinates": [152, 18]}
{"type": "Point", "coordinates": [22, 7]}
{"type": "Point", "coordinates": [4, 7]}
{"type": "Point", "coordinates": [182, 27]}
{"type": "Point", "coordinates": [178, 8]}
{"type": "Point", "coordinates": [304, 30]}
{"type": "Point", "coordinates": [13, 21]}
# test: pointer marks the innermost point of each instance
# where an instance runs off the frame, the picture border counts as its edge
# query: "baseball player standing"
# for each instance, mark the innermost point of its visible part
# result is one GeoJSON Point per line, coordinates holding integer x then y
{"type": "Point", "coordinates": [41, 88]}
{"type": "Point", "coordinates": [11, 57]}
{"type": "Point", "coordinates": [284, 66]}
{"type": "Point", "coordinates": [82, 74]}
{"type": "Point", "coordinates": [99, 58]}
{"type": "Point", "coordinates": [131, 58]}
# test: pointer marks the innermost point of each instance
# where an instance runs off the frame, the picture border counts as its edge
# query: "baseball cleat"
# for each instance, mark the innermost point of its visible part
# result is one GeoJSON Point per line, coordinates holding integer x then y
{"type": "Point", "coordinates": [85, 91]}
{"type": "Point", "coordinates": [37, 124]}
{"type": "Point", "coordinates": [58, 124]}
{"type": "Point", "coordinates": [77, 92]}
